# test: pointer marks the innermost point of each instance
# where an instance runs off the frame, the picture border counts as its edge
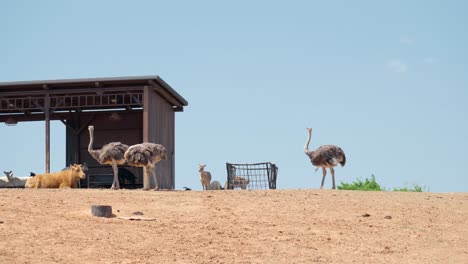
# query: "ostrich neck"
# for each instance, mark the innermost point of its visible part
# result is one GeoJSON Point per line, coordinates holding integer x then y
{"type": "Point", "coordinates": [90, 146]}
{"type": "Point", "coordinates": [306, 146]}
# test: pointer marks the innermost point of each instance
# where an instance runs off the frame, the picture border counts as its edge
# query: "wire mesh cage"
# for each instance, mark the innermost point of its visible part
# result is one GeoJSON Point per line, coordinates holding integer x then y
{"type": "Point", "coordinates": [251, 176]}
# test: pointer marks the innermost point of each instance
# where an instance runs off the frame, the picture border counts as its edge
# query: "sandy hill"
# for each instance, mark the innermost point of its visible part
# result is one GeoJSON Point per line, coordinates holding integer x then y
{"type": "Point", "coordinates": [276, 226]}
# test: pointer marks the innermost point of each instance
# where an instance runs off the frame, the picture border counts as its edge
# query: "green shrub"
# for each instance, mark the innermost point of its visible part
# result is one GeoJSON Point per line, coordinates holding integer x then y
{"type": "Point", "coordinates": [359, 185]}
{"type": "Point", "coordinates": [415, 188]}
{"type": "Point", "coordinates": [372, 185]}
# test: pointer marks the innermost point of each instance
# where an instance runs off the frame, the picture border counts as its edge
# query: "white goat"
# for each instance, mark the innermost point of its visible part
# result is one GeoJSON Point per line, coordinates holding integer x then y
{"type": "Point", "coordinates": [15, 181]}
{"type": "Point", "coordinates": [4, 182]}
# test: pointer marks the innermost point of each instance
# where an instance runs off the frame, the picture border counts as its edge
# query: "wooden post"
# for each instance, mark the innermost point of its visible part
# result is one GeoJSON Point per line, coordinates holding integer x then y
{"type": "Point", "coordinates": [146, 114]}
{"type": "Point", "coordinates": [147, 180]}
{"type": "Point", "coordinates": [47, 131]}
{"type": "Point", "coordinates": [77, 138]}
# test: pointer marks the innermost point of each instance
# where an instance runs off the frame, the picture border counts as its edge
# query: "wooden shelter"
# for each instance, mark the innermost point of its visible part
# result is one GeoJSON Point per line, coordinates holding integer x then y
{"type": "Point", "coordinates": [126, 109]}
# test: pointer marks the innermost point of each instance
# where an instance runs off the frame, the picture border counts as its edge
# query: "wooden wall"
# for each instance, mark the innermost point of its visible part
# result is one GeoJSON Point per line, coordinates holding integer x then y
{"type": "Point", "coordinates": [159, 127]}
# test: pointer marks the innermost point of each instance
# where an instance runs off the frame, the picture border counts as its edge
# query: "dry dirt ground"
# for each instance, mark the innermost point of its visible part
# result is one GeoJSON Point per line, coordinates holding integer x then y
{"type": "Point", "coordinates": [275, 226]}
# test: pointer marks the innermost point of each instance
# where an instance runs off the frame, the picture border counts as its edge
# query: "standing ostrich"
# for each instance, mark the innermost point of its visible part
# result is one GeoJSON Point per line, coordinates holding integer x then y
{"type": "Point", "coordinates": [146, 155]}
{"type": "Point", "coordinates": [326, 156]}
{"type": "Point", "coordinates": [110, 154]}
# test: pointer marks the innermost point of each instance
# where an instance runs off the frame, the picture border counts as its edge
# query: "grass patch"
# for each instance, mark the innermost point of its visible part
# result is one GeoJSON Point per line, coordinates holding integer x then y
{"type": "Point", "coordinates": [414, 188]}
{"type": "Point", "coordinates": [359, 185]}
{"type": "Point", "coordinates": [372, 185]}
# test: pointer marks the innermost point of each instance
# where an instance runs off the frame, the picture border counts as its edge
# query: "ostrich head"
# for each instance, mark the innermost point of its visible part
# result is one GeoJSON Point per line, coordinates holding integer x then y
{"type": "Point", "coordinates": [201, 167]}
{"type": "Point", "coordinates": [91, 128]}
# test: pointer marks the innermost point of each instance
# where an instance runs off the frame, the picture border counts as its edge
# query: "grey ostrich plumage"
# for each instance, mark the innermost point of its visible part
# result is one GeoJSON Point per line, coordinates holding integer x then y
{"type": "Point", "coordinates": [111, 151]}
{"type": "Point", "coordinates": [327, 156]}
{"type": "Point", "coordinates": [144, 154]}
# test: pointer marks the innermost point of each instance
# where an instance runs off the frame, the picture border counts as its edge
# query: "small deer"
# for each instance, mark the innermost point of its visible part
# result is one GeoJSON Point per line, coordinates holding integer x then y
{"type": "Point", "coordinates": [205, 177]}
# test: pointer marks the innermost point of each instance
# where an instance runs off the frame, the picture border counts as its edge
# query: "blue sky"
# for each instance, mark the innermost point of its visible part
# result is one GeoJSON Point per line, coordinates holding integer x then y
{"type": "Point", "coordinates": [385, 80]}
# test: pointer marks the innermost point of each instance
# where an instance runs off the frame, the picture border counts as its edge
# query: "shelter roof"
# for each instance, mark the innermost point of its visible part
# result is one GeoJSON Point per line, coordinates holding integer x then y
{"type": "Point", "coordinates": [29, 100]}
{"type": "Point", "coordinates": [86, 84]}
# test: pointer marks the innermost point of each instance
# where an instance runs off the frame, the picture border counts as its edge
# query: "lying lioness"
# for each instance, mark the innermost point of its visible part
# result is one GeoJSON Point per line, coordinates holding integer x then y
{"type": "Point", "coordinates": [61, 179]}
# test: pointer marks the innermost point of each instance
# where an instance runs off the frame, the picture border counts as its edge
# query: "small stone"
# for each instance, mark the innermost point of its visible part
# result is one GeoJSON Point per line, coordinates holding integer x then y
{"type": "Point", "coordinates": [366, 215]}
{"type": "Point", "coordinates": [388, 217]}
{"type": "Point", "coordinates": [137, 213]}
{"type": "Point", "coordinates": [1, 222]}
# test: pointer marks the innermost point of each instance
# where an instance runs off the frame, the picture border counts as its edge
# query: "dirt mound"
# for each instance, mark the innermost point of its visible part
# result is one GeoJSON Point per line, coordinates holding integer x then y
{"type": "Point", "coordinates": [276, 226]}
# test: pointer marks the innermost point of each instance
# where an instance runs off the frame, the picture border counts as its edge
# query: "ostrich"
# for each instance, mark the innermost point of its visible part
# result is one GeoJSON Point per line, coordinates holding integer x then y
{"type": "Point", "coordinates": [146, 155]}
{"type": "Point", "coordinates": [326, 156]}
{"type": "Point", "coordinates": [111, 154]}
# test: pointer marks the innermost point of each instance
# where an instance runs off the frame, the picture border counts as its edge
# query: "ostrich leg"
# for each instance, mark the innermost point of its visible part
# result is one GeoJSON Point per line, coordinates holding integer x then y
{"type": "Point", "coordinates": [115, 184]}
{"type": "Point", "coordinates": [146, 178]}
{"type": "Point", "coordinates": [155, 179]}
{"type": "Point", "coordinates": [324, 174]}
{"type": "Point", "coordinates": [333, 177]}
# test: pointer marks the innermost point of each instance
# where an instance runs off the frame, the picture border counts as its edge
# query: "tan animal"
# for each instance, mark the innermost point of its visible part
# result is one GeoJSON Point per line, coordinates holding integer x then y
{"type": "Point", "coordinates": [241, 182]}
{"type": "Point", "coordinates": [205, 177]}
{"type": "Point", "coordinates": [62, 179]}
{"type": "Point", "coordinates": [238, 182]}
